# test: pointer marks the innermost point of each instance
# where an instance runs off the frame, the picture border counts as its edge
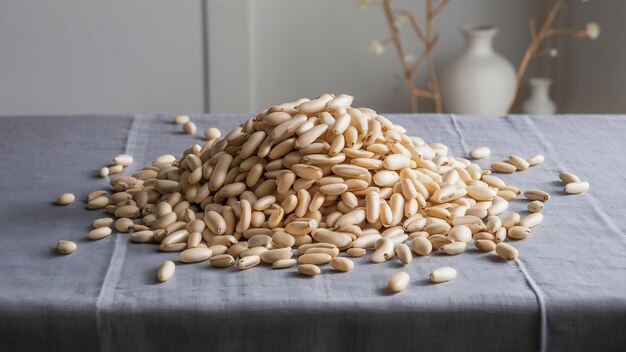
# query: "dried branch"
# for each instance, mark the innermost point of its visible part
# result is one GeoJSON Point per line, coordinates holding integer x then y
{"type": "Point", "coordinates": [422, 93]}
{"type": "Point", "coordinates": [434, 80]}
{"type": "Point", "coordinates": [536, 38]}
{"type": "Point", "coordinates": [438, 8]}
{"type": "Point", "coordinates": [425, 36]}
{"type": "Point", "coordinates": [533, 28]}
{"type": "Point", "coordinates": [414, 25]}
{"type": "Point", "coordinates": [567, 31]}
{"type": "Point", "coordinates": [418, 62]}
{"type": "Point", "coordinates": [395, 37]}
{"type": "Point", "coordinates": [545, 52]}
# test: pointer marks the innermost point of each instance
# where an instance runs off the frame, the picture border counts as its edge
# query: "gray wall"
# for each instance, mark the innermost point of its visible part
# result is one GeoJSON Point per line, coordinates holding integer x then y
{"type": "Point", "coordinates": [116, 56]}
{"type": "Point", "coordinates": [592, 74]}
{"type": "Point", "coordinates": [100, 56]}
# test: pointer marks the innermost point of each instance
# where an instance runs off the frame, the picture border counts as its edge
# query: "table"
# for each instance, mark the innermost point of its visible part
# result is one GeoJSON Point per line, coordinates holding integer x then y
{"type": "Point", "coordinates": [567, 292]}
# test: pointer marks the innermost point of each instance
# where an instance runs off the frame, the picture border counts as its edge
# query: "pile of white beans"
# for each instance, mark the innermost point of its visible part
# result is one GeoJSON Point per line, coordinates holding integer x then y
{"type": "Point", "coordinates": [318, 178]}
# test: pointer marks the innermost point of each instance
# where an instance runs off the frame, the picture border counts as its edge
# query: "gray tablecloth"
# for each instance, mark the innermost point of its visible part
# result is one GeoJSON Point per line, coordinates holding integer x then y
{"type": "Point", "coordinates": [567, 292]}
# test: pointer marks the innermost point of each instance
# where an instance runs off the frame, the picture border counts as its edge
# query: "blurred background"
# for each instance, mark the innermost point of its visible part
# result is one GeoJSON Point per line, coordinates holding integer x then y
{"type": "Point", "coordinates": [187, 56]}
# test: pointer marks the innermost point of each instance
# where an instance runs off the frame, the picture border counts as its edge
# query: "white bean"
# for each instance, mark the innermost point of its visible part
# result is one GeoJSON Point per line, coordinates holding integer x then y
{"type": "Point", "coordinates": [398, 282]}
{"type": "Point", "coordinates": [443, 274]}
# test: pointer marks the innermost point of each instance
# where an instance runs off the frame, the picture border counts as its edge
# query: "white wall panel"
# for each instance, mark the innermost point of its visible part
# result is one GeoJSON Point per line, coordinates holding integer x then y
{"type": "Point", "coordinates": [101, 56]}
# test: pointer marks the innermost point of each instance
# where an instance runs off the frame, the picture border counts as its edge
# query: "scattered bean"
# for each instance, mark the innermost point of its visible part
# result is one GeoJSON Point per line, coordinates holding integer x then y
{"type": "Point", "coordinates": [166, 271]}
{"type": "Point", "coordinates": [66, 247]}
{"type": "Point", "coordinates": [398, 282]}
{"type": "Point", "coordinates": [568, 177]}
{"type": "Point", "coordinates": [181, 119]}
{"type": "Point", "coordinates": [189, 127]}
{"type": "Point", "coordinates": [342, 264]}
{"type": "Point", "coordinates": [480, 153]}
{"type": "Point", "coordinates": [506, 251]}
{"type": "Point", "coordinates": [309, 269]}
{"type": "Point", "coordinates": [66, 198]}
{"type": "Point", "coordinates": [443, 274]}
{"type": "Point", "coordinates": [576, 187]}
{"type": "Point", "coordinates": [535, 206]}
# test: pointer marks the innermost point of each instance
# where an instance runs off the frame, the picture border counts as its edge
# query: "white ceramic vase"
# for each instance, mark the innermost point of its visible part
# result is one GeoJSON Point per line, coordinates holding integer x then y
{"type": "Point", "coordinates": [480, 81]}
{"type": "Point", "coordinates": [539, 102]}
